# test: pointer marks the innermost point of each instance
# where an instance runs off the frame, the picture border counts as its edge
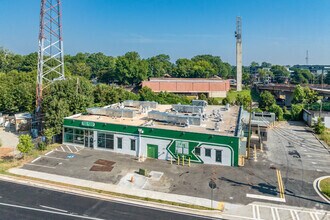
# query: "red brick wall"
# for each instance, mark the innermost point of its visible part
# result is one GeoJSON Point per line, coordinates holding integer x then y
{"type": "Point", "coordinates": [181, 86]}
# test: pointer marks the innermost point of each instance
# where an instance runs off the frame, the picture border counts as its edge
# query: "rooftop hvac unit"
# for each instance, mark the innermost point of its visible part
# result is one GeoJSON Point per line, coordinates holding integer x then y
{"type": "Point", "coordinates": [111, 112]}
{"type": "Point", "coordinates": [188, 108]}
{"type": "Point", "coordinates": [174, 118]}
{"type": "Point", "coordinates": [138, 104]}
{"type": "Point", "coordinates": [199, 103]}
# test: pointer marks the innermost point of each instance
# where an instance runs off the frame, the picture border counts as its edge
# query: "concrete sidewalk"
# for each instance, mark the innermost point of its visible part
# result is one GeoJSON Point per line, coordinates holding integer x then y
{"type": "Point", "coordinates": [118, 189]}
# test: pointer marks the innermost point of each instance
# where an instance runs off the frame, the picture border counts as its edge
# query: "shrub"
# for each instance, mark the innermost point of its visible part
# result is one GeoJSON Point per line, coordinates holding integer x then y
{"type": "Point", "coordinates": [25, 144]}
{"type": "Point", "coordinates": [319, 128]}
{"type": "Point", "coordinates": [42, 146]}
{"type": "Point", "coordinates": [296, 112]}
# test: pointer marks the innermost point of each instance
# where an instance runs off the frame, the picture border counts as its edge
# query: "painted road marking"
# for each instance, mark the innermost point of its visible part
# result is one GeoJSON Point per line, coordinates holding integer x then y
{"type": "Point", "coordinates": [69, 148]}
{"type": "Point", "coordinates": [48, 207]}
{"type": "Point", "coordinates": [48, 211]}
{"type": "Point", "coordinates": [258, 212]}
{"type": "Point", "coordinates": [253, 212]}
{"type": "Point", "coordinates": [280, 183]}
{"type": "Point", "coordinates": [49, 152]}
{"type": "Point", "coordinates": [270, 198]}
{"type": "Point", "coordinates": [62, 149]}
{"type": "Point", "coordinates": [35, 159]}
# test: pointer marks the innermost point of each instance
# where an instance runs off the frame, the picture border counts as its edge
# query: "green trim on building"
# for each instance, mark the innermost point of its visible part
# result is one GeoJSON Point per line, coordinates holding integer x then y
{"type": "Point", "coordinates": [195, 139]}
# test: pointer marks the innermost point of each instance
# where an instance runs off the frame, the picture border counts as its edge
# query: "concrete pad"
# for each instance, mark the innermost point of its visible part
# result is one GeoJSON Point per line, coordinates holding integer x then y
{"type": "Point", "coordinates": [133, 180]}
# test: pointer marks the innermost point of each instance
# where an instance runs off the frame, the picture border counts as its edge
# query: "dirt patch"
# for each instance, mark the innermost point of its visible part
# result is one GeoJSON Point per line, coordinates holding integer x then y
{"type": "Point", "coordinates": [6, 151]}
{"type": "Point", "coordinates": [101, 168]}
{"type": "Point", "coordinates": [105, 162]}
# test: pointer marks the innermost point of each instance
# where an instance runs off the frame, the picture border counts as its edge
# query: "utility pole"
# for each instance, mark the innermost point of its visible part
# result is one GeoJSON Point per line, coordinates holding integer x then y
{"type": "Point", "coordinates": [307, 57]}
{"type": "Point", "coordinates": [249, 135]}
{"type": "Point", "coordinates": [238, 36]}
{"type": "Point", "coordinates": [50, 53]}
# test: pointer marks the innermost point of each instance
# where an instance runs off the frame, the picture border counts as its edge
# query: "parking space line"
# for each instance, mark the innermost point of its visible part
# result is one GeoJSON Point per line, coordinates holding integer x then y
{"type": "Point", "coordinates": [312, 216]}
{"type": "Point", "coordinates": [35, 159]}
{"type": "Point", "coordinates": [76, 148]}
{"type": "Point", "coordinates": [69, 148]}
{"type": "Point", "coordinates": [277, 214]}
{"type": "Point", "coordinates": [49, 152]}
{"type": "Point", "coordinates": [40, 165]}
{"type": "Point", "coordinates": [273, 214]}
{"type": "Point", "coordinates": [62, 149]}
{"type": "Point", "coordinates": [258, 212]}
{"type": "Point", "coordinates": [253, 212]}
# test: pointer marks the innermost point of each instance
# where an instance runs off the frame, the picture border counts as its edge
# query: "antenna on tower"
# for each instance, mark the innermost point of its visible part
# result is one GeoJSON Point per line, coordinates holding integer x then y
{"type": "Point", "coordinates": [50, 53]}
{"type": "Point", "coordinates": [306, 57]}
{"type": "Point", "coordinates": [238, 36]}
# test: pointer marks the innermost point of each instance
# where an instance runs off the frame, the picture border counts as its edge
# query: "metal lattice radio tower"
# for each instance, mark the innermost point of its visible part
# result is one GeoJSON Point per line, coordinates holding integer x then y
{"type": "Point", "coordinates": [50, 54]}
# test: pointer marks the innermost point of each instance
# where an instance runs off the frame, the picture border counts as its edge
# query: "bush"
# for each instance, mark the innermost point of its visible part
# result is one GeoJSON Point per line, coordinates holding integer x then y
{"type": "Point", "coordinates": [296, 112]}
{"type": "Point", "coordinates": [277, 110]}
{"type": "Point", "coordinates": [266, 100]}
{"type": "Point", "coordinates": [25, 144]}
{"type": "Point", "coordinates": [319, 128]}
{"type": "Point", "coordinates": [42, 146]}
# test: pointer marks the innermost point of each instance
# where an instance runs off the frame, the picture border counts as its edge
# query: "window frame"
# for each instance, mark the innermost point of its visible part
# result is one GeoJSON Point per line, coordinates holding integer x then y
{"type": "Point", "coordinates": [208, 150]}
{"type": "Point", "coordinates": [121, 142]}
{"type": "Point", "coordinates": [133, 140]}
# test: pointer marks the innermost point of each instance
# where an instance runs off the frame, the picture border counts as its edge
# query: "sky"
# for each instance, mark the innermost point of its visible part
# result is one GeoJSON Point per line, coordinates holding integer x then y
{"type": "Point", "coordinates": [275, 31]}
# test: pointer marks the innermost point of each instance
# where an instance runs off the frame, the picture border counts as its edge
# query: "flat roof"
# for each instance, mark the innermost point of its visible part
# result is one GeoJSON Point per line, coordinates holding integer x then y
{"type": "Point", "coordinates": [188, 79]}
{"type": "Point", "coordinates": [227, 125]}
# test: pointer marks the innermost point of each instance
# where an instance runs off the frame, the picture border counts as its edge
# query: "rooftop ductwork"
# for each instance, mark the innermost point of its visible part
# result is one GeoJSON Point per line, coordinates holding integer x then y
{"type": "Point", "coordinates": [174, 118]}
{"type": "Point", "coordinates": [188, 109]}
{"type": "Point", "coordinates": [112, 112]}
{"type": "Point", "coordinates": [138, 104]}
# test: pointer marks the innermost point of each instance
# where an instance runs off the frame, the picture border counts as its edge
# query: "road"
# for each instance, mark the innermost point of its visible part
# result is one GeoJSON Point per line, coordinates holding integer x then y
{"type": "Point", "coordinates": [302, 159]}
{"type": "Point", "coordinates": [25, 202]}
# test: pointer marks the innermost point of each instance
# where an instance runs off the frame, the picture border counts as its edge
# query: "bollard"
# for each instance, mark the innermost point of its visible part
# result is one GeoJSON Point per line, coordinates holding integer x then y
{"type": "Point", "coordinates": [178, 159]}
{"type": "Point", "coordinates": [171, 159]}
{"type": "Point", "coordinates": [255, 153]}
{"type": "Point", "coordinates": [183, 160]}
{"type": "Point", "coordinates": [132, 179]}
{"type": "Point", "coordinates": [188, 161]}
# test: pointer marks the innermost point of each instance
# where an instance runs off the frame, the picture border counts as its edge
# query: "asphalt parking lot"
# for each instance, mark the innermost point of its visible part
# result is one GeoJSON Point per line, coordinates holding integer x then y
{"type": "Point", "coordinates": [256, 181]}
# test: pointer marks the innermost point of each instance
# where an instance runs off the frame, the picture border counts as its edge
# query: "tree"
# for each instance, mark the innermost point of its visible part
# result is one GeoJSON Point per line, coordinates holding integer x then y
{"type": "Point", "coordinates": [130, 69]}
{"type": "Point", "coordinates": [327, 78]}
{"type": "Point", "coordinates": [254, 64]}
{"type": "Point", "coordinates": [49, 134]}
{"type": "Point", "coordinates": [296, 111]}
{"type": "Point", "coordinates": [298, 95]}
{"type": "Point", "coordinates": [266, 65]}
{"type": "Point", "coordinates": [280, 73]}
{"type": "Point", "coordinates": [277, 110]}
{"type": "Point", "coordinates": [159, 65]}
{"type": "Point", "coordinates": [244, 100]}
{"type": "Point", "coordinates": [319, 127]}
{"type": "Point", "coordinates": [25, 144]}
{"type": "Point", "coordinates": [266, 100]}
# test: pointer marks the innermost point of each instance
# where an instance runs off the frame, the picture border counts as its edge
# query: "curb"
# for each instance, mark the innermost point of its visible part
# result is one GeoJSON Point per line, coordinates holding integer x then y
{"type": "Point", "coordinates": [39, 183]}
{"type": "Point", "coordinates": [321, 142]}
{"type": "Point", "coordinates": [316, 185]}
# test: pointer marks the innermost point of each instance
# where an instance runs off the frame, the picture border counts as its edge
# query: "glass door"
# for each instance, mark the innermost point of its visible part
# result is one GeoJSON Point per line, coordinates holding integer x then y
{"type": "Point", "coordinates": [89, 138]}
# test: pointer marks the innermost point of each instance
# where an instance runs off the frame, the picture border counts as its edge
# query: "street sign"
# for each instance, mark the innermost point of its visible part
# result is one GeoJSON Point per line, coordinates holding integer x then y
{"type": "Point", "coordinates": [212, 184]}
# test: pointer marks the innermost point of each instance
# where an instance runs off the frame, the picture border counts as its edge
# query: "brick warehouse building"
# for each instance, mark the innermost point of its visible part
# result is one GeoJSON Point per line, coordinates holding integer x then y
{"type": "Point", "coordinates": [205, 134]}
{"type": "Point", "coordinates": [212, 87]}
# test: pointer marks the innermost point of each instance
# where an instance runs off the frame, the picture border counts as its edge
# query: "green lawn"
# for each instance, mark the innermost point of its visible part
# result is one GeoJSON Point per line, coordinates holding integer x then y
{"type": "Point", "coordinates": [325, 186]}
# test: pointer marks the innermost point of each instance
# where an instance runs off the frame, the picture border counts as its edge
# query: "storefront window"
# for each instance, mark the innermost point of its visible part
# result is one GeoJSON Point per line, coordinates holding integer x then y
{"type": "Point", "coordinates": [105, 140]}
{"type": "Point", "coordinates": [78, 136]}
{"type": "Point", "coordinates": [68, 135]}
